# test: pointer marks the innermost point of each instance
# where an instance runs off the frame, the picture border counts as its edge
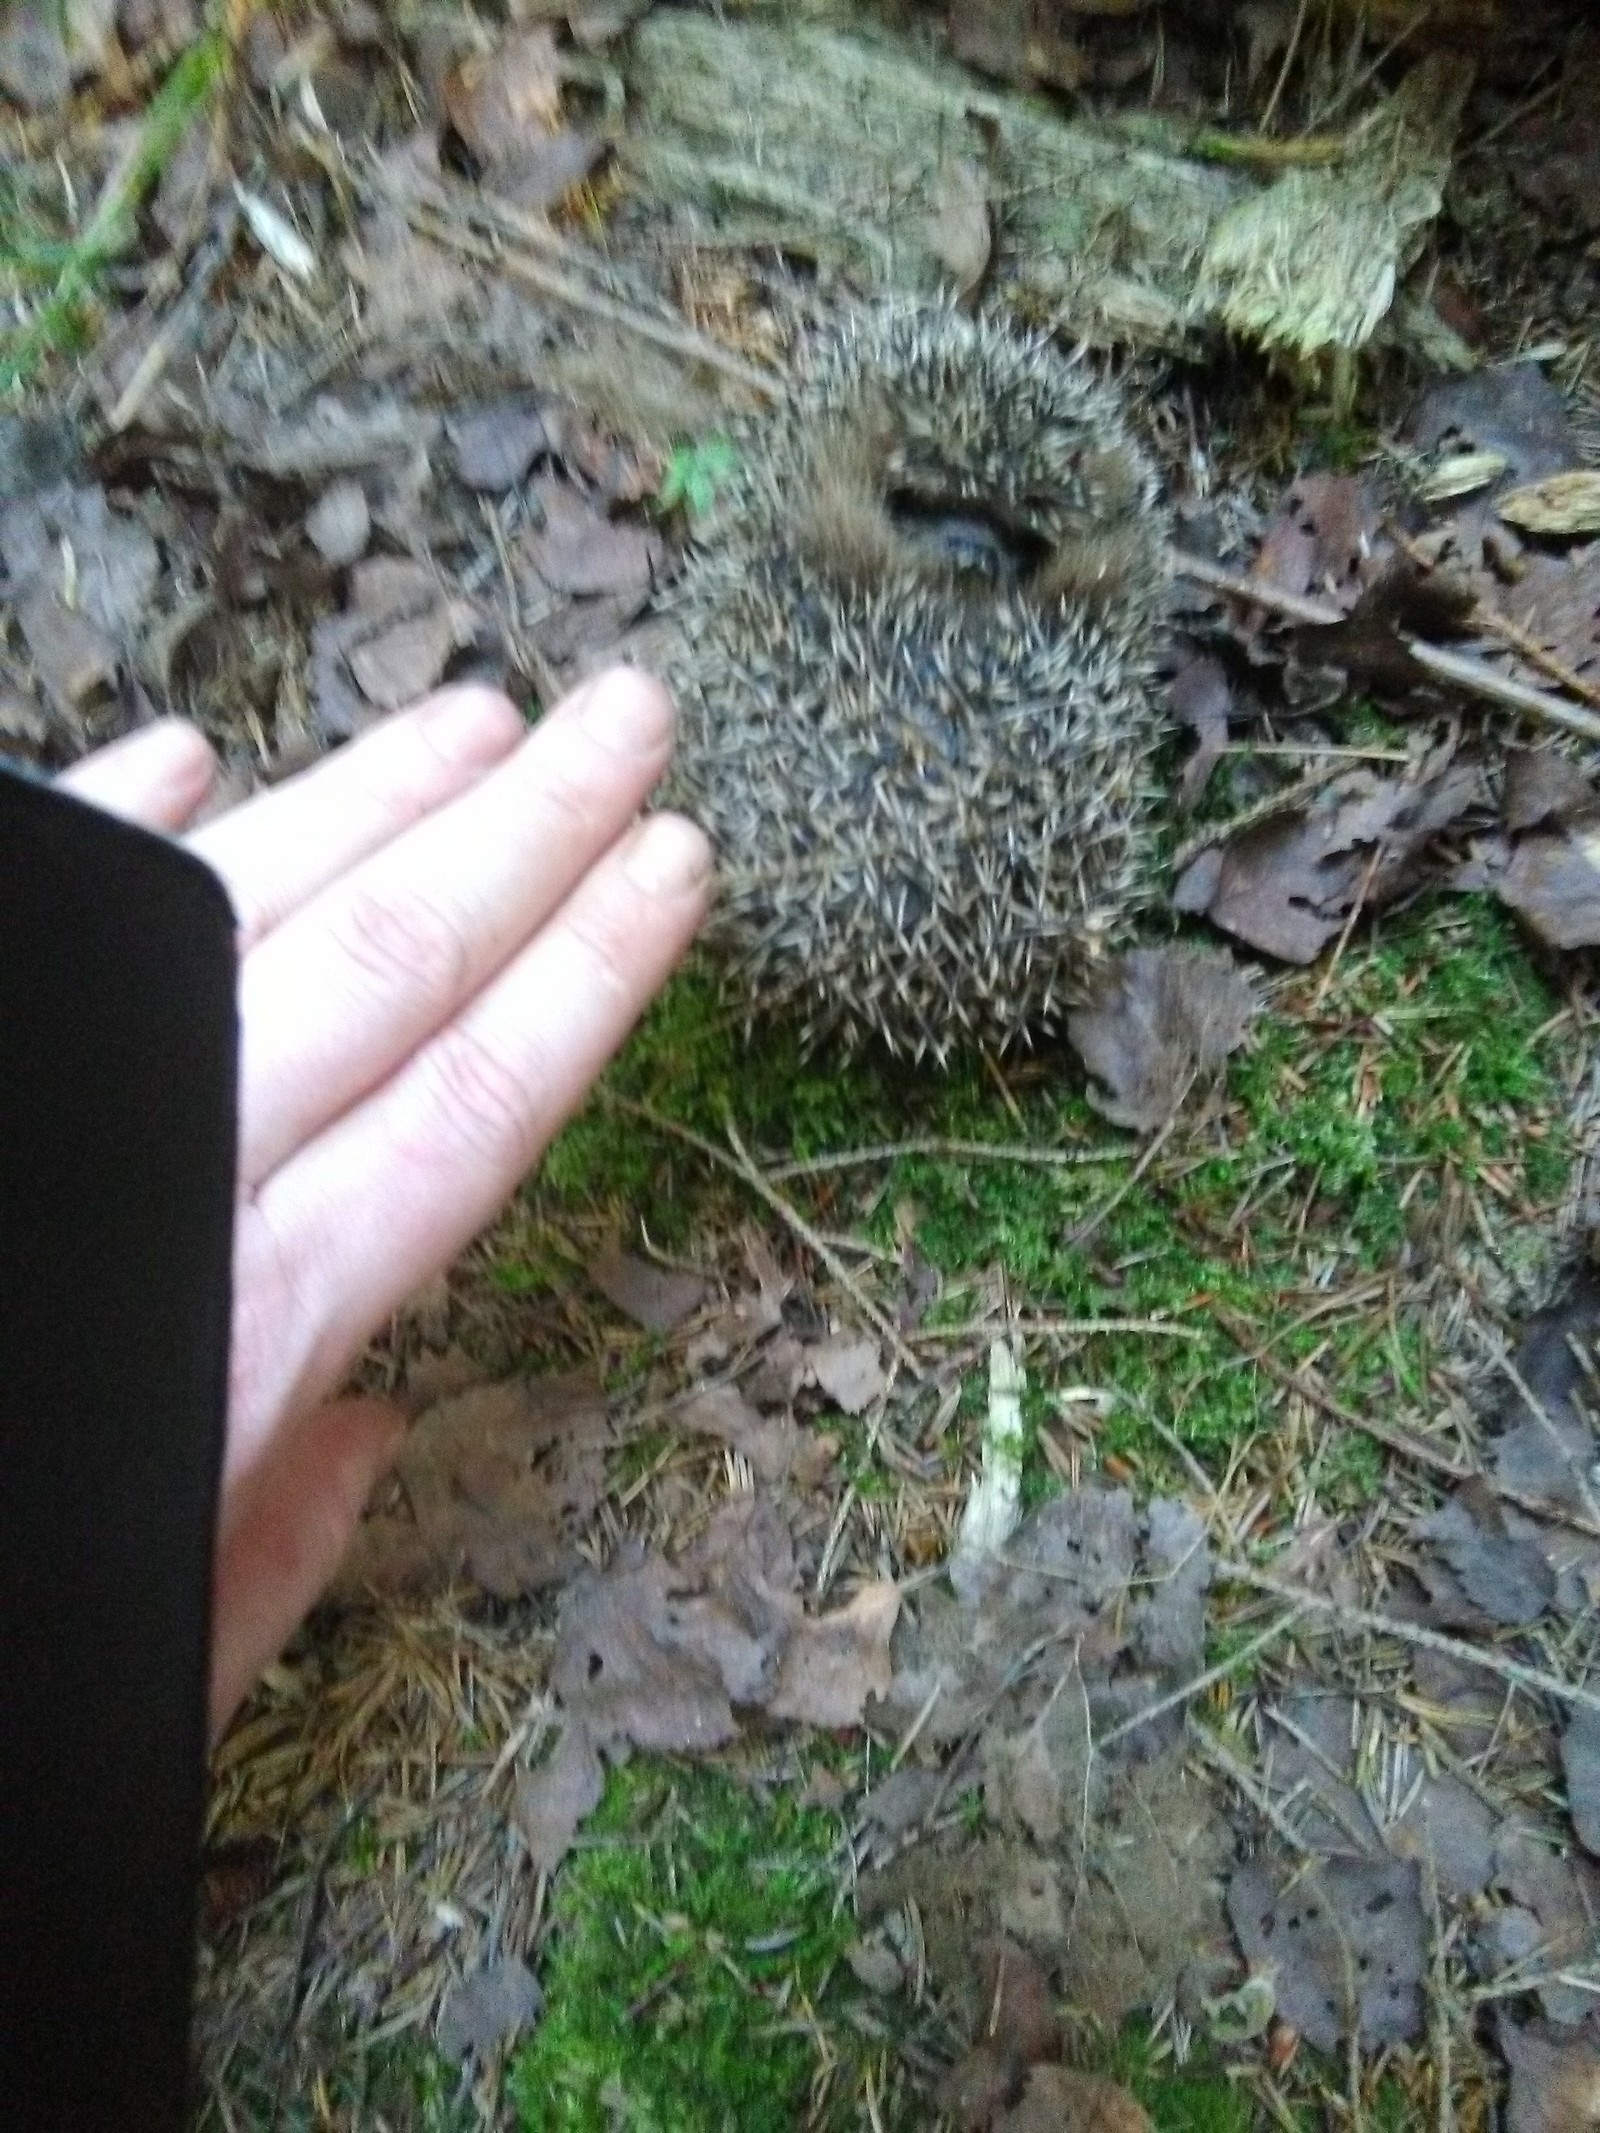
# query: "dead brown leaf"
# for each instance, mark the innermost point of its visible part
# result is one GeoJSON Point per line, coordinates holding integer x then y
{"type": "Point", "coordinates": [1347, 1940]}
{"type": "Point", "coordinates": [849, 1369]}
{"type": "Point", "coordinates": [495, 445]}
{"type": "Point", "coordinates": [778, 1449]}
{"type": "Point", "coordinates": [483, 2010]}
{"type": "Point", "coordinates": [1550, 878]}
{"type": "Point", "coordinates": [492, 1485]}
{"type": "Point", "coordinates": [579, 551]}
{"type": "Point", "coordinates": [554, 1800]}
{"type": "Point", "coordinates": [835, 1664]}
{"type": "Point", "coordinates": [1162, 1018]}
{"type": "Point", "coordinates": [1555, 2088]}
{"type": "Point", "coordinates": [655, 1297]}
{"type": "Point", "coordinates": [1542, 787]}
{"type": "Point", "coordinates": [1289, 885]}
{"type": "Point", "coordinates": [1317, 541]}
{"type": "Point", "coordinates": [1200, 696]}
{"type": "Point", "coordinates": [506, 107]}
{"type": "Point", "coordinates": [1058, 2100]}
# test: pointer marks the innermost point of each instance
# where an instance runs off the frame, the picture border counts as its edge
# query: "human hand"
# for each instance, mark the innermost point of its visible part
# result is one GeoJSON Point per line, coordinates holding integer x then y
{"type": "Point", "coordinates": [445, 931]}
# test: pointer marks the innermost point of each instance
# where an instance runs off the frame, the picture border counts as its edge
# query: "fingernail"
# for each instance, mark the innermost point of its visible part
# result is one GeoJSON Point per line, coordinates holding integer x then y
{"type": "Point", "coordinates": [669, 856]}
{"type": "Point", "coordinates": [471, 717]}
{"type": "Point", "coordinates": [627, 712]}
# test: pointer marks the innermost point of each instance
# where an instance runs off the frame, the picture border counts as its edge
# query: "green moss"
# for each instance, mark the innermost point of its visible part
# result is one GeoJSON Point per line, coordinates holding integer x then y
{"type": "Point", "coordinates": [693, 1932]}
{"type": "Point", "coordinates": [1423, 1055]}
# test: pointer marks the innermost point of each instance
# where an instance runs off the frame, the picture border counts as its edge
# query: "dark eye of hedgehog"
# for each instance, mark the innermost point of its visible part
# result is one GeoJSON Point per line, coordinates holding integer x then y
{"type": "Point", "coordinates": [967, 535]}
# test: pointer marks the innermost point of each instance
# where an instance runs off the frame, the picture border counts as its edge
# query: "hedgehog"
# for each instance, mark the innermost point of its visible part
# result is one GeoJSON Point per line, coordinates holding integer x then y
{"type": "Point", "coordinates": [916, 703]}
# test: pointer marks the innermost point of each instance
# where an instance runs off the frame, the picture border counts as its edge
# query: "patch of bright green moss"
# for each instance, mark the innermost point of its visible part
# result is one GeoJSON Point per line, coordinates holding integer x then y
{"type": "Point", "coordinates": [694, 1931]}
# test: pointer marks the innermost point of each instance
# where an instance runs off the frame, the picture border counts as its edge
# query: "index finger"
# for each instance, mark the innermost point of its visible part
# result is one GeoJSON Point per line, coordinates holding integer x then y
{"type": "Point", "coordinates": [279, 849]}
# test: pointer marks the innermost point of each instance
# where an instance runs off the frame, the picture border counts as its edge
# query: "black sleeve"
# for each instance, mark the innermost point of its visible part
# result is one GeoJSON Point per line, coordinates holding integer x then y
{"type": "Point", "coordinates": [117, 1085]}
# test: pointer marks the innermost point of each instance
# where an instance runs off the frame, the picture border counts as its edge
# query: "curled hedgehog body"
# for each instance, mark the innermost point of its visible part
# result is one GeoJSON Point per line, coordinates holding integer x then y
{"type": "Point", "coordinates": [916, 711]}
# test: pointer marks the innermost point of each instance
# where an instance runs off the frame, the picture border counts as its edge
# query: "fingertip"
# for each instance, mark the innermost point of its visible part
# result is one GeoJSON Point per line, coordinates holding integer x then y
{"type": "Point", "coordinates": [470, 721]}
{"type": "Point", "coordinates": [626, 710]}
{"type": "Point", "coordinates": [669, 856]}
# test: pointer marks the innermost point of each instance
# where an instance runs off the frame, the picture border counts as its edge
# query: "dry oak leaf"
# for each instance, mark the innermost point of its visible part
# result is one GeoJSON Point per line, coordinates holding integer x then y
{"type": "Point", "coordinates": [488, 2006]}
{"type": "Point", "coordinates": [1161, 1019]}
{"type": "Point", "coordinates": [1551, 879]}
{"type": "Point", "coordinates": [491, 1485]}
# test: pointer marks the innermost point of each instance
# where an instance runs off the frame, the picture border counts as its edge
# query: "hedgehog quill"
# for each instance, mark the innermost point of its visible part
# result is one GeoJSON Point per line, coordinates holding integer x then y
{"type": "Point", "coordinates": [917, 703]}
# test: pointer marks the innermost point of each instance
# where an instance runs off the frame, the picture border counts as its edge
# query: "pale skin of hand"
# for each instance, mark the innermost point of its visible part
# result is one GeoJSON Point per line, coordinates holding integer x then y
{"type": "Point", "coordinates": [445, 931]}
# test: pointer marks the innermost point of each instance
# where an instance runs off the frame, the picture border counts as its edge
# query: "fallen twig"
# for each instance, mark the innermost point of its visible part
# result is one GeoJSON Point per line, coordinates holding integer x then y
{"type": "Point", "coordinates": [951, 1150]}
{"type": "Point", "coordinates": [1472, 675]}
{"type": "Point", "coordinates": [1533, 1679]}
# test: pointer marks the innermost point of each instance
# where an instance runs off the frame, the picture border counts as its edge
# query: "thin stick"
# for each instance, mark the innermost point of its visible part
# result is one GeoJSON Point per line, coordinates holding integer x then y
{"type": "Point", "coordinates": [816, 1242]}
{"type": "Point", "coordinates": [740, 1163]}
{"type": "Point", "coordinates": [1092, 1222]}
{"type": "Point", "coordinates": [1531, 1678]}
{"type": "Point", "coordinates": [953, 1150]}
{"type": "Point", "coordinates": [1472, 675]}
{"type": "Point", "coordinates": [1438, 1997]}
{"type": "Point", "coordinates": [1274, 803]}
{"type": "Point", "coordinates": [562, 288]}
{"type": "Point", "coordinates": [1289, 58]}
{"type": "Point", "coordinates": [1053, 1329]}
{"type": "Point", "coordinates": [1188, 1690]}
{"type": "Point", "coordinates": [1404, 1441]}
{"type": "Point", "coordinates": [1224, 1760]}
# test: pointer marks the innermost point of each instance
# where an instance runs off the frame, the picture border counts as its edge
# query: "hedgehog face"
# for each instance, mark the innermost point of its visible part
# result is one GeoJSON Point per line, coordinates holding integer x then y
{"type": "Point", "coordinates": [917, 713]}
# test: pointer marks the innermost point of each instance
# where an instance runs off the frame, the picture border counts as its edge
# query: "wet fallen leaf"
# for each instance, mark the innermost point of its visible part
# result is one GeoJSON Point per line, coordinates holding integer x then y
{"type": "Point", "coordinates": [1560, 504]}
{"type": "Point", "coordinates": [876, 1965]}
{"type": "Point", "coordinates": [492, 1485]}
{"type": "Point", "coordinates": [578, 551]}
{"type": "Point", "coordinates": [554, 1800]}
{"type": "Point", "coordinates": [75, 660]}
{"type": "Point", "coordinates": [1550, 878]}
{"type": "Point", "coordinates": [848, 1369]}
{"type": "Point", "coordinates": [1557, 601]}
{"type": "Point", "coordinates": [1057, 2100]}
{"type": "Point", "coordinates": [1337, 1924]}
{"type": "Point", "coordinates": [1511, 411]}
{"type": "Point", "coordinates": [495, 445]}
{"type": "Point", "coordinates": [1317, 541]}
{"type": "Point", "coordinates": [404, 661]}
{"type": "Point", "coordinates": [1555, 2088]}
{"type": "Point", "coordinates": [655, 1297]}
{"type": "Point", "coordinates": [102, 563]}
{"type": "Point", "coordinates": [1161, 1019]}
{"type": "Point", "coordinates": [1288, 886]}
{"type": "Point", "coordinates": [483, 2010]}
{"type": "Point", "coordinates": [332, 436]}
{"type": "Point", "coordinates": [1563, 1895]}
{"type": "Point", "coordinates": [1369, 646]}
{"type": "Point", "coordinates": [506, 106]}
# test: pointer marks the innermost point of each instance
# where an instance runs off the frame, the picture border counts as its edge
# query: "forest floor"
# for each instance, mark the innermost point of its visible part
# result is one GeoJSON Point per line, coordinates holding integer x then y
{"type": "Point", "coordinates": [647, 1769]}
